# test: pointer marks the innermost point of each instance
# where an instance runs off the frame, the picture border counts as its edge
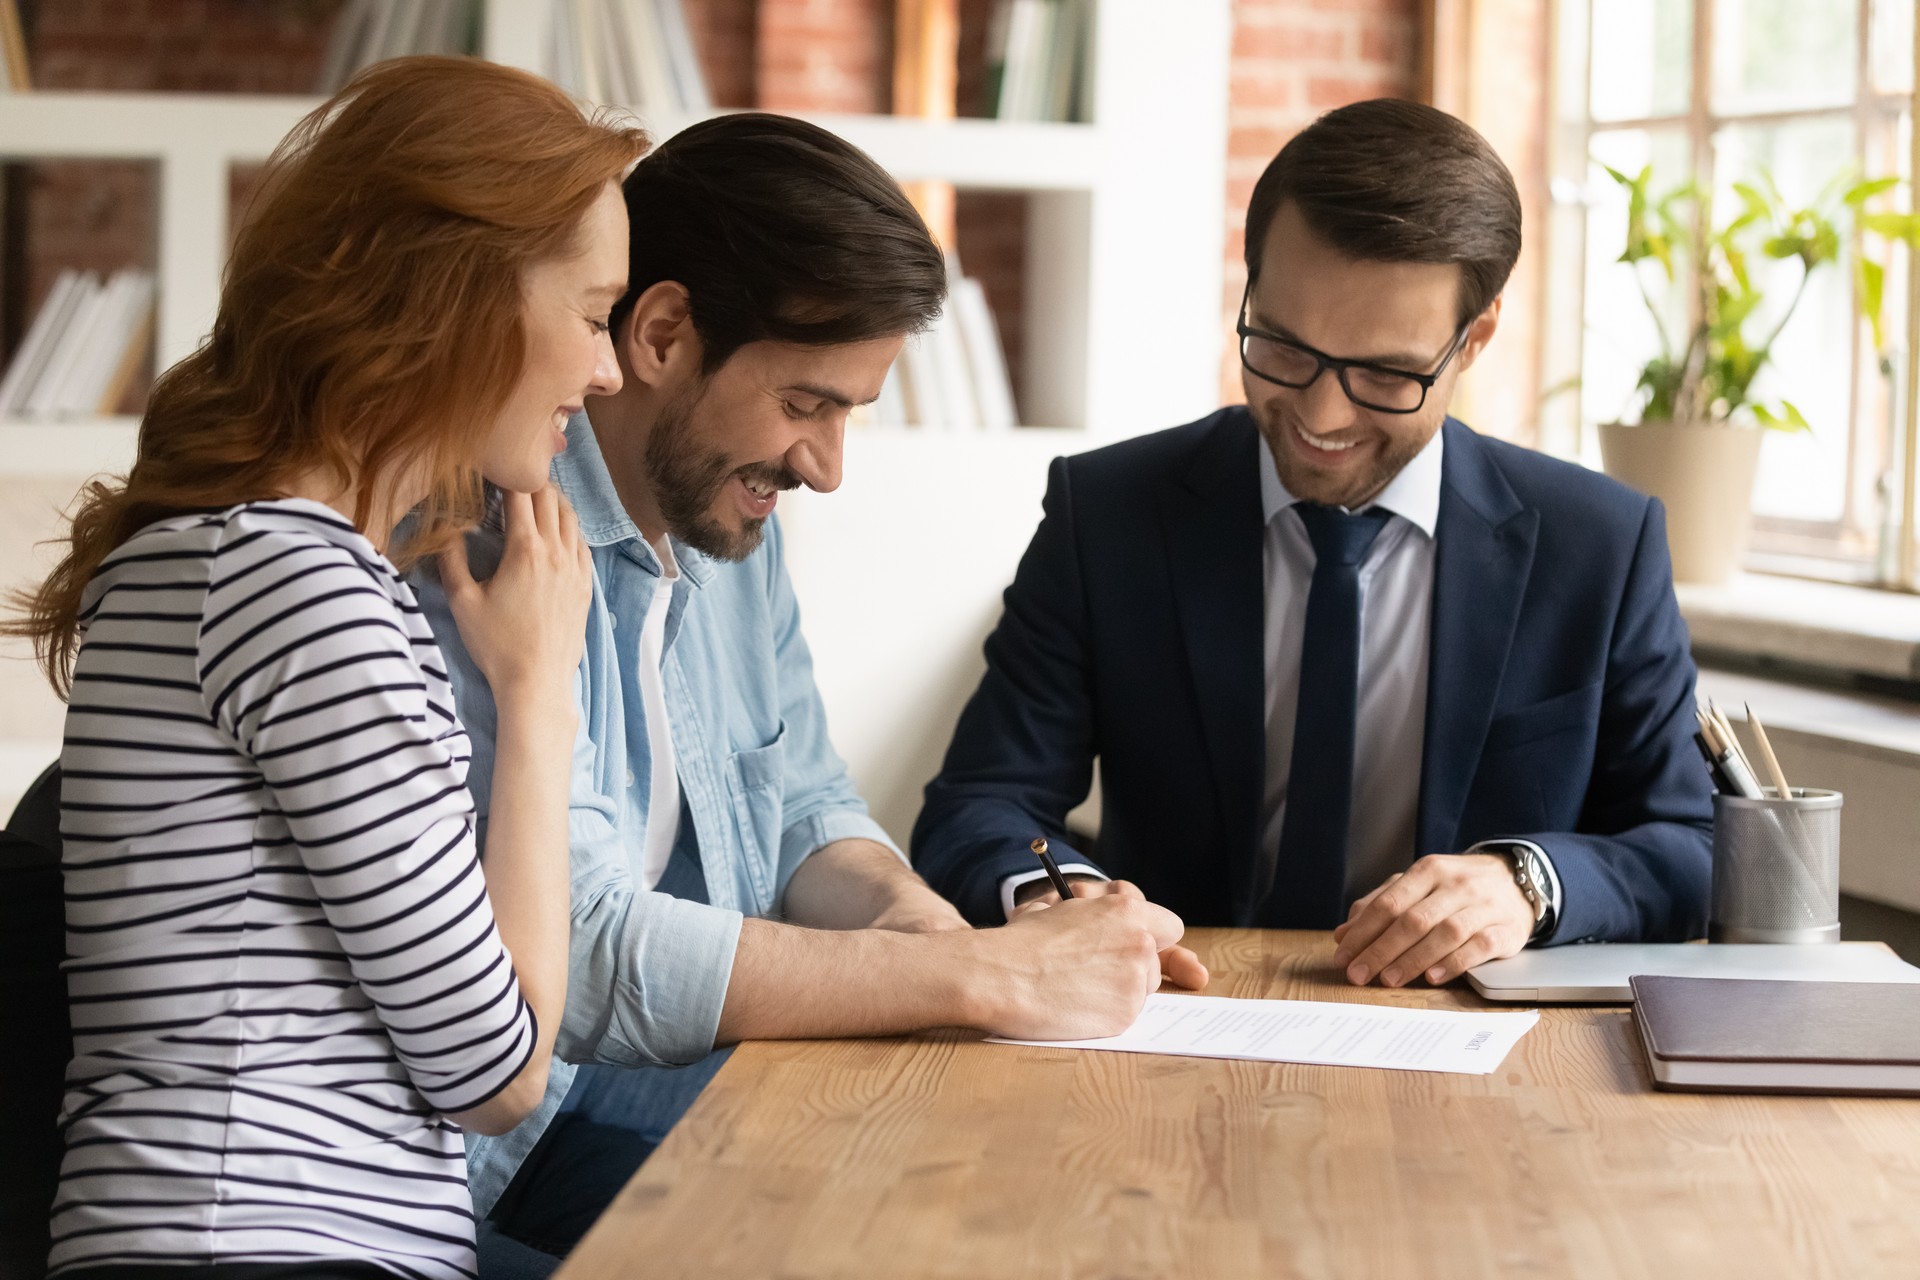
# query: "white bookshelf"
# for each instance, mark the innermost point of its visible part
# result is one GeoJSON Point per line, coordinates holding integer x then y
{"type": "Point", "coordinates": [82, 447]}
{"type": "Point", "coordinates": [1126, 227]}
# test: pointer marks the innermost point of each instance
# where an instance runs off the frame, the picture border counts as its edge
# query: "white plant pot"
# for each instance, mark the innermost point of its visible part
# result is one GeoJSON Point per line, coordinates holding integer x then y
{"type": "Point", "coordinates": [1703, 473]}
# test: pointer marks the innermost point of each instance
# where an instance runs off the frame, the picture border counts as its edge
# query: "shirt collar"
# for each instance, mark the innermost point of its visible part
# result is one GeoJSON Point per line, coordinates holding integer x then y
{"type": "Point", "coordinates": [1413, 494]}
{"type": "Point", "coordinates": [581, 472]}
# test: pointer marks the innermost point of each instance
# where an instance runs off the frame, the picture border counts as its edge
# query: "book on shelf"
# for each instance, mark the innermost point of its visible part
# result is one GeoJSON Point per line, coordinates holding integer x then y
{"type": "Point", "coordinates": [986, 363]}
{"type": "Point", "coordinates": [1036, 60]}
{"type": "Point", "coordinates": [631, 53]}
{"type": "Point", "coordinates": [14, 73]}
{"type": "Point", "coordinates": [370, 31]}
{"type": "Point", "coordinates": [953, 376]}
{"type": "Point", "coordinates": [83, 349]}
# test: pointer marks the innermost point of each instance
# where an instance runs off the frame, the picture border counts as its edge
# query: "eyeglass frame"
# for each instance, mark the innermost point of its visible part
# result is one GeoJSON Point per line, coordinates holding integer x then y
{"type": "Point", "coordinates": [1324, 362]}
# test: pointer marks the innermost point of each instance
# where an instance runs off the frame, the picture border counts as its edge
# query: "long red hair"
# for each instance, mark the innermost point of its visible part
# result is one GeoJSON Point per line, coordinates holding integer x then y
{"type": "Point", "coordinates": [370, 317]}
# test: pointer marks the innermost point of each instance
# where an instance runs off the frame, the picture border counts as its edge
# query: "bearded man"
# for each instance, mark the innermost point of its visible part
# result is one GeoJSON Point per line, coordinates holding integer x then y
{"type": "Point", "coordinates": [727, 880]}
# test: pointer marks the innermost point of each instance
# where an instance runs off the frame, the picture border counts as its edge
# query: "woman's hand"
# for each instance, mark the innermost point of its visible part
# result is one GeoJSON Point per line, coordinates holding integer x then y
{"type": "Point", "coordinates": [526, 625]}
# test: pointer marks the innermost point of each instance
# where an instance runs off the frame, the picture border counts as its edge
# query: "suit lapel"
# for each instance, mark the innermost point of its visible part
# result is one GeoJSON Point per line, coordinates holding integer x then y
{"type": "Point", "coordinates": [1483, 552]}
{"type": "Point", "coordinates": [1211, 517]}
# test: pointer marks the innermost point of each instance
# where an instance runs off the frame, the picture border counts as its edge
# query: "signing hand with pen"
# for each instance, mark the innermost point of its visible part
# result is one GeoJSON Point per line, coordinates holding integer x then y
{"type": "Point", "coordinates": [1178, 965]}
{"type": "Point", "coordinates": [1439, 918]}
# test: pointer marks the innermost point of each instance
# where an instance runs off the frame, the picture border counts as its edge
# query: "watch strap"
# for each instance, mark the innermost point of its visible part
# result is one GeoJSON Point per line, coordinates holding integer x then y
{"type": "Point", "coordinates": [1533, 872]}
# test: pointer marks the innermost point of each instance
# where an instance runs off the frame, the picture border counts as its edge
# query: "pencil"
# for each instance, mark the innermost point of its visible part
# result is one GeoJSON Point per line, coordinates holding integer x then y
{"type": "Point", "coordinates": [1774, 771]}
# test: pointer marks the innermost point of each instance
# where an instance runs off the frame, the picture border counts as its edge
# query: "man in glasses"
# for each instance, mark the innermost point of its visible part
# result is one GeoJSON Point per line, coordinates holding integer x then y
{"type": "Point", "coordinates": [1345, 664]}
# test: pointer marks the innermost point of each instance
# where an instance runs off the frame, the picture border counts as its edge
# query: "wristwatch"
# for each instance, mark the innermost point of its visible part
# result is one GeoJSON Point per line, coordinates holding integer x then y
{"type": "Point", "coordinates": [1532, 874]}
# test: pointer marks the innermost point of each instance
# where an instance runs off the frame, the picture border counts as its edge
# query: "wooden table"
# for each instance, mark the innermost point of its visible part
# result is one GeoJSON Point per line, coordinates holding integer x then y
{"type": "Point", "coordinates": [940, 1156]}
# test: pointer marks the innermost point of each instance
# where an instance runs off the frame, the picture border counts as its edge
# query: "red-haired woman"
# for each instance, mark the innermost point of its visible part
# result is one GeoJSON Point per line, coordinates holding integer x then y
{"type": "Point", "coordinates": [289, 980]}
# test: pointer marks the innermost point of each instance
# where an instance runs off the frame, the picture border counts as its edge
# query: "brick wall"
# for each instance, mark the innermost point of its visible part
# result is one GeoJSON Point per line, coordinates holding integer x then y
{"type": "Point", "coordinates": [825, 55]}
{"type": "Point", "coordinates": [99, 214]}
{"type": "Point", "coordinates": [204, 46]}
{"type": "Point", "coordinates": [1292, 61]}
{"type": "Point", "coordinates": [726, 33]}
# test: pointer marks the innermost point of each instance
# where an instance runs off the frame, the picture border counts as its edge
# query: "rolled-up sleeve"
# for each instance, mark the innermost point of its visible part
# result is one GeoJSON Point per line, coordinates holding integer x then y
{"type": "Point", "coordinates": [648, 972]}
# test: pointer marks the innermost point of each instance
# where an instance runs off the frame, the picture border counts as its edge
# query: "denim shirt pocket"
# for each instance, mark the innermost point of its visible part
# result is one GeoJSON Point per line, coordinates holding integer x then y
{"type": "Point", "coordinates": [754, 785]}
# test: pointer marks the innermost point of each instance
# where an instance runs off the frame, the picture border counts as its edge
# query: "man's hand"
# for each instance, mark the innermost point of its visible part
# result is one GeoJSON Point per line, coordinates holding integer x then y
{"type": "Point", "coordinates": [1177, 964]}
{"type": "Point", "coordinates": [1069, 971]}
{"type": "Point", "coordinates": [1442, 916]}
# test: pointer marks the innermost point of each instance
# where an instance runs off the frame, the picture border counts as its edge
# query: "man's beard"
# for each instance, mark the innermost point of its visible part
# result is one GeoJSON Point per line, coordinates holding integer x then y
{"type": "Point", "coordinates": [688, 479]}
{"type": "Point", "coordinates": [1308, 485]}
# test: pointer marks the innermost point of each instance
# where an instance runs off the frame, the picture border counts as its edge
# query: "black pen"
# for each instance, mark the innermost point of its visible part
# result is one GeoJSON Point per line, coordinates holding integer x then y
{"type": "Point", "coordinates": [1039, 847]}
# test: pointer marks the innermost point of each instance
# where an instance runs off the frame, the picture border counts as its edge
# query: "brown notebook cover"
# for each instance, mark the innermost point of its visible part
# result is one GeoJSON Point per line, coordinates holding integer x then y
{"type": "Point", "coordinates": [1754, 1035]}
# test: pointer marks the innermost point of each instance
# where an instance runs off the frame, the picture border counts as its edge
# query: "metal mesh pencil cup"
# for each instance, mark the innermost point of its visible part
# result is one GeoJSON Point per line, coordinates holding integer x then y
{"type": "Point", "coordinates": [1776, 868]}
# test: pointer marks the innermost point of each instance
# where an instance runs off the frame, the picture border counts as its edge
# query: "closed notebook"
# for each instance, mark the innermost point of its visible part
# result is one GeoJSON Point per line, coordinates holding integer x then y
{"type": "Point", "coordinates": [1761, 1036]}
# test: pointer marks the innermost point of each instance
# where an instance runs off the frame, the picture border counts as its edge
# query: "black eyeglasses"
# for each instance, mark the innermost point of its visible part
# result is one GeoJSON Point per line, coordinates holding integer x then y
{"type": "Point", "coordinates": [1287, 363]}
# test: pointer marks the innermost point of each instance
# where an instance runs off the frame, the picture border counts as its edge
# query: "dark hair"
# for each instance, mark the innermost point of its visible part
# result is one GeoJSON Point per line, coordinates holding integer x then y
{"type": "Point", "coordinates": [778, 230]}
{"type": "Point", "coordinates": [1394, 181]}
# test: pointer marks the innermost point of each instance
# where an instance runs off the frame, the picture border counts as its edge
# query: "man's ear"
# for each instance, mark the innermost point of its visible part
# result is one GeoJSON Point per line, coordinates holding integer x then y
{"type": "Point", "coordinates": [657, 343]}
{"type": "Point", "coordinates": [1480, 333]}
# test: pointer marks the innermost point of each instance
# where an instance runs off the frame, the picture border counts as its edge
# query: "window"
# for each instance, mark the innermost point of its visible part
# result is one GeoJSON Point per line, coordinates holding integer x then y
{"type": "Point", "coordinates": [1725, 91]}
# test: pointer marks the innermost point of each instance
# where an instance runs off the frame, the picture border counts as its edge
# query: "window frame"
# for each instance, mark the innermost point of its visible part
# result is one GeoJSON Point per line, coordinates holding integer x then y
{"type": "Point", "coordinates": [1850, 548]}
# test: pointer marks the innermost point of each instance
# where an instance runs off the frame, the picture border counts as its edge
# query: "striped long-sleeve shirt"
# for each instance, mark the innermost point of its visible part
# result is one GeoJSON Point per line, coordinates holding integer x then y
{"type": "Point", "coordinates": [282, 964]}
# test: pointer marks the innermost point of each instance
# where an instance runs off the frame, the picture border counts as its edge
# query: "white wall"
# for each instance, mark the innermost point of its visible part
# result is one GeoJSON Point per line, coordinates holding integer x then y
{"type": "Point", "coordinates": [899, 575]}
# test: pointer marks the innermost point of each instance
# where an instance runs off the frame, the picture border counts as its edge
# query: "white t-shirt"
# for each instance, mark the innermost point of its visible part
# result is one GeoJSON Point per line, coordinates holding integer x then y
{"type": "Point", "coordinates": [663, 790]}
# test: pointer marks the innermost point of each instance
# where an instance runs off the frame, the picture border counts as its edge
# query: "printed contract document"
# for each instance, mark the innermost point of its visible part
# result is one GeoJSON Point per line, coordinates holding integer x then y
{"type": "Point", "coordinates": [1313, 1031]}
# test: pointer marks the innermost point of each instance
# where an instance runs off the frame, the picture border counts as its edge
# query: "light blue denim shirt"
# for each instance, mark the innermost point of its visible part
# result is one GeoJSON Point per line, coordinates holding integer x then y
{"type": "Point", "coordinates": [764, 789]}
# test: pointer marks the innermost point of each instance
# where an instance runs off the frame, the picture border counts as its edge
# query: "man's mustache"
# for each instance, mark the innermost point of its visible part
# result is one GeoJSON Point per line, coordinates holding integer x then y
{"type": "Point", "coordinates": [770, 475]}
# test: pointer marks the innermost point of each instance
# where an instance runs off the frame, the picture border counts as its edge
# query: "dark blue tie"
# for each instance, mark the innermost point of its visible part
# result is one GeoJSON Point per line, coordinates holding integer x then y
{"type": "Point", "coordinates": [1310, 872]}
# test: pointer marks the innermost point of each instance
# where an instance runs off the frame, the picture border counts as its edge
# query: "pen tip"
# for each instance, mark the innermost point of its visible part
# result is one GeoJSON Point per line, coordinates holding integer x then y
{"type": "Point", "coordinates": [1039, 844]}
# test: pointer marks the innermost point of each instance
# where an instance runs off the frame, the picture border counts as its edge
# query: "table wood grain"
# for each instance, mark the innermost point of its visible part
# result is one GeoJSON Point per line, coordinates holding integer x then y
{"type": "Point", "coordinates": [941, 1156]}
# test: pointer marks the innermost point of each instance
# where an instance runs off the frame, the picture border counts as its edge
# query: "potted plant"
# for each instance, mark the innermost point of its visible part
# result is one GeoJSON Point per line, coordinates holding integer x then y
{"type": "Point", "coordinates": [1697, 442]}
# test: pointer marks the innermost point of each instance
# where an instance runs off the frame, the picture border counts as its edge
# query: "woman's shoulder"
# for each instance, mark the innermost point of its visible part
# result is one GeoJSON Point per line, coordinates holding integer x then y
{"type": "Point", "coordinates": [270, 525]}
{"type": "Point", "coordinates": [277, 525]}
{"type": "Point", "coordinates": [261, 549]}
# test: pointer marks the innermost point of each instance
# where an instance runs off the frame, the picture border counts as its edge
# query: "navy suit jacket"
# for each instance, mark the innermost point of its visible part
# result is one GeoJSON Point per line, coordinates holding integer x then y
{"type": "Point", "coordinates": [1559, 691]}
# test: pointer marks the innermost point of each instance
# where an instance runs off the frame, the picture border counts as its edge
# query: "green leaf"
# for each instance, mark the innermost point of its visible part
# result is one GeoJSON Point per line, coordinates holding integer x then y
{"type": "Point", "coordinates": [1782, 247]}
{"type": "Point", "coordinates": [1768, 418]}
{"type": "Point", "coordinates": [1861, 192]}
{"type": "Point", "coordinates": [1904, 227]}
{"type": "Point", "coordinates": [1737, 264]}
{"type": "Point", "coordinates": [1756, 204]}
{"type": "Point", "coordinates": [1872, 278]}
{"type": "Point", "coordinates": [1797, 421]}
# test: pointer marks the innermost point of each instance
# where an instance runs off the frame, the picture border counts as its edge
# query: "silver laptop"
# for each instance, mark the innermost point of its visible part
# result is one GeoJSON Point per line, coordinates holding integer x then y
{"type": "Point", "coordinates": [1598, 972]}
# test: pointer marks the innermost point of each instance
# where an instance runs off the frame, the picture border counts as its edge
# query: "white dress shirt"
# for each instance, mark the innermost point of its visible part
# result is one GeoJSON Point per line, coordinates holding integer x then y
{"type": "Point", "coordinates": [1390, 716]}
